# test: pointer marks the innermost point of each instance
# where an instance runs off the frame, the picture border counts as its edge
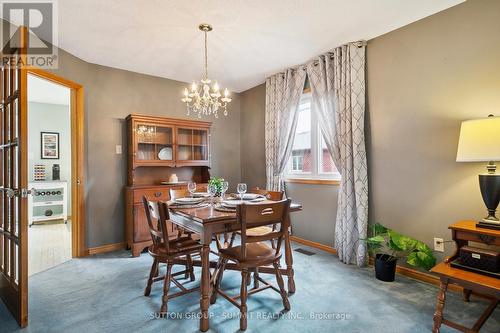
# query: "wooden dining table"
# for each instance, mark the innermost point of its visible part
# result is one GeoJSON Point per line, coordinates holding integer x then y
{"type": "Point", "coordinates": [206, 222]}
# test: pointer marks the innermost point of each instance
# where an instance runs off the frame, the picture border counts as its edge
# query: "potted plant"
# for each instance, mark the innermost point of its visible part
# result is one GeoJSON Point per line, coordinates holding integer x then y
{"type": "Point", "coordinates": [390, 246]}
{"type": "Point", "coordinates": [217, 181]}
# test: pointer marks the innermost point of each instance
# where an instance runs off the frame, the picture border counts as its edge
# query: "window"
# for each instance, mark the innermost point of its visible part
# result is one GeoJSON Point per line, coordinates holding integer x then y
{"type": "Point", "coordinates": [310, 158]}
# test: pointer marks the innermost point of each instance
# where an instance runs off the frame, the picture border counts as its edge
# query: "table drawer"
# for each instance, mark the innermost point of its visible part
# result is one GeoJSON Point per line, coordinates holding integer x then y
{"type": "Point", "coordinates": [152, 194]}
{"type": "Point", "coordinates": [480, 238]}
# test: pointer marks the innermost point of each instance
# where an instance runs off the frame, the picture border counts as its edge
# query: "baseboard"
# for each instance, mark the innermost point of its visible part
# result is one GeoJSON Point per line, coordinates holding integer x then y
{"type": "Point", "coordinates": [320, 246]}
{"type": "Point", "coordinates": [106, 248]}
{"type": "Point", "coordinates": [406, 271]}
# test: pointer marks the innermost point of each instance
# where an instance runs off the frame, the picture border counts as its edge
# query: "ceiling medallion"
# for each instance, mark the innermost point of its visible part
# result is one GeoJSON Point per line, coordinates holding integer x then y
{"type": "Point", "coordinates": [202, 98]}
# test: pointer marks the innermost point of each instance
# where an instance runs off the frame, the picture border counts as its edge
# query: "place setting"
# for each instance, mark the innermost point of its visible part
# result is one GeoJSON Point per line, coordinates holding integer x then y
{"type": "Point", "coordinates": [230, 203]}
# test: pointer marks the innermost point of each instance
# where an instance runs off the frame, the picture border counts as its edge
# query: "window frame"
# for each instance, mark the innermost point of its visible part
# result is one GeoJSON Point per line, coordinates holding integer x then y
{"type": "Point", "coordinates": [316, 176]}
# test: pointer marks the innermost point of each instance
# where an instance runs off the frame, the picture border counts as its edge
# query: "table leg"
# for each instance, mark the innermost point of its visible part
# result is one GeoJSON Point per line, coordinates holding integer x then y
{"type": "Point", "coordinates": [289, 263]}
{"type": "Point", "coordinates": [441, 297]}
{"type": "Point", "coordinates": [205, 287]}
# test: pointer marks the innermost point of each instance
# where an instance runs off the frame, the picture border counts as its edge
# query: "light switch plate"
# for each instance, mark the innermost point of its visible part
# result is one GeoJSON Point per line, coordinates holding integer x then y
{"type": "Point", "coordinates": [438, 244]}
{"type": "Point", "coordinates": [118, 149]}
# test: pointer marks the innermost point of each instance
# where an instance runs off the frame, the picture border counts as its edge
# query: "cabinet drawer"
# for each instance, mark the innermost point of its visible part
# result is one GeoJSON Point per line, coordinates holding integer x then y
{"type": "Point", "coordinates": [152, 194]}
{"type": "Point", "coordinates": [479, 238]}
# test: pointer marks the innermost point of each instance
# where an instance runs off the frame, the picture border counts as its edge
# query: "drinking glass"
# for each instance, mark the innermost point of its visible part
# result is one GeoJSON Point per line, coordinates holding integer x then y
{"type": "Point", "coordinates": [225, 186]}
{"type": "Point", "coordinates": [242, 189]}
{"type": "Point", "coordinates": [192, 188]}
{"type": "Point", "coordinates": [212, 190]}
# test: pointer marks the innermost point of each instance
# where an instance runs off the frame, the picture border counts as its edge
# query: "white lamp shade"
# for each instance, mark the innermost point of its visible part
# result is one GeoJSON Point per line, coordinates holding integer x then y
{"type": "Point", "coordinates": [479, 140]}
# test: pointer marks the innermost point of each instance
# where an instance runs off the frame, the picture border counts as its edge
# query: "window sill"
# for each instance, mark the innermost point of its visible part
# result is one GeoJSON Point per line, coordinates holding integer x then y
{"type": "Point", "coordinates": [312, 181]}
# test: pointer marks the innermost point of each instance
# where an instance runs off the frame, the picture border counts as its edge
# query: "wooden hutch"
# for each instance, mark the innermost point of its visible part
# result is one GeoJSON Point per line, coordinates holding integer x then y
{"type": "Point", "coordinates": [157, 148]}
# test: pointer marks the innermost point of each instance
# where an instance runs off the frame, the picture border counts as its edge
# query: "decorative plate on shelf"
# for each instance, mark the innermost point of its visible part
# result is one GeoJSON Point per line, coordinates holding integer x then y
{"type": "Point", "coordinates": [165, 154]}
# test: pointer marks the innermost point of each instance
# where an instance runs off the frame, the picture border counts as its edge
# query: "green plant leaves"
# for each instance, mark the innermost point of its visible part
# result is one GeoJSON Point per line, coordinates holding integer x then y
{"type": "Point", "coordinates": [387, 241]}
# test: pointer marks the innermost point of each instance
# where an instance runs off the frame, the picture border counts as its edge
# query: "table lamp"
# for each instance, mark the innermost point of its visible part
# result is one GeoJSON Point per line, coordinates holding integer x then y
{"type": "Point", "coordinates": [480, 142]}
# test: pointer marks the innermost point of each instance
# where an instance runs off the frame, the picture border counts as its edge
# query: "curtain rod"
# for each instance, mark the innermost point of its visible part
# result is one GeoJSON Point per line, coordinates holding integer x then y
{"type": "Point", "coordinates": [359, 44]}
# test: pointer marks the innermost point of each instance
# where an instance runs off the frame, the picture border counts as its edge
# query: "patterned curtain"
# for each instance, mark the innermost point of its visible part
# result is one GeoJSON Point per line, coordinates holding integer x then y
{"type": "Point", "coordinates": [338, 95]}
{"type": "Point", "coordinates": [283, 91]}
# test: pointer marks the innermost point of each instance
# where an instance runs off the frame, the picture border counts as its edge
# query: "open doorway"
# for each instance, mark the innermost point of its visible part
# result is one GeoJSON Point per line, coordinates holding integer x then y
{"type": "Point", "coordinates": [55, 170]}
{"type": "Point", "coordinates": [49, 167]}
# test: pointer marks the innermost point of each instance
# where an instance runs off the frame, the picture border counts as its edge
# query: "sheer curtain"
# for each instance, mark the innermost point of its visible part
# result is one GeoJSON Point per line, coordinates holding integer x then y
{"type": "Point", "coordinates": [338, 95]}
{"type": "Point", "coordinates": [283, 91]}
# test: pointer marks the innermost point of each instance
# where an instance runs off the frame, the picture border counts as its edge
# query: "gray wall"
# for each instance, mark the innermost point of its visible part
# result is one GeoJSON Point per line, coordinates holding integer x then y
{"type": "Point", "coordinates": [44, 117]}
{"type": "Point", "coordinates": [317, 221]}
{"type": "Point", "coordinates": [422, 81]}
{"type": "Point", "coordinates": [110, 95]}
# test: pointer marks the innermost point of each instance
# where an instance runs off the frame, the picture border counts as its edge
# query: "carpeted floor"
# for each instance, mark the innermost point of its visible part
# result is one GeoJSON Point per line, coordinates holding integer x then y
{"type": "Point", "coordinates": [105, 294]}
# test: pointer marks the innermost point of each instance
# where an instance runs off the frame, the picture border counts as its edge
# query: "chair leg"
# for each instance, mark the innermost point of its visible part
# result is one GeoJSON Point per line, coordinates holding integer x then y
{"type": "Point", "coordinates": [281, 285]}
{"type": "Point", "coordinates": [190, 271]}
{"type": "Point", "coordinates": [243, 298]}
{"type": "Point", "coordinates": [152, 274]}
{"type": "Point", "coordinates": [256, 278]}
{"type": "Point", "coordinates": [166, 287]}
{"type": "Point", "coordinates": [273, 245]}
{"type": "Point", "coordinates": [218, 279]}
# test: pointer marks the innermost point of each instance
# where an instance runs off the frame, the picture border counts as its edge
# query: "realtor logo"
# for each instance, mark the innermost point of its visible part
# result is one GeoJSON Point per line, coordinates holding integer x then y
{"type": "Point", "coordinates": [40, 19]}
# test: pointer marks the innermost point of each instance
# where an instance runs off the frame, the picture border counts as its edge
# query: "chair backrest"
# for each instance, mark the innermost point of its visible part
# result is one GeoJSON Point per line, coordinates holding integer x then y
{"type": "Point", "coordinates": [270, 195]}
{"type": "Point", "coordinates": [175, 194]}
{"type": "Point", "coordinates": [257, 215]}
{"type": "Point", "coordinates": [157, 216]}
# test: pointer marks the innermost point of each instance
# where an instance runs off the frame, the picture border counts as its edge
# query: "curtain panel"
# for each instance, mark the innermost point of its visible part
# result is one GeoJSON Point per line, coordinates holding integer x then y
{"type": "Point", "coordinates": [338, 98]}
{"type": "Point", "coordinates": [283, 92]}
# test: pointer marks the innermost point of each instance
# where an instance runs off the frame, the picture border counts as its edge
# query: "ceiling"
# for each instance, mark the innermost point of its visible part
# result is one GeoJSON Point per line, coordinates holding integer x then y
{"type": "Point", "coordinates": [43, 91]}
{"type": "Point", "coordinates": [251, 39]}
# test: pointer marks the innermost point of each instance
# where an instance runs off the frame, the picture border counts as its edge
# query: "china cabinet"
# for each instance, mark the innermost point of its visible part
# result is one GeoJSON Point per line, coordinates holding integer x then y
{"type": "Point", "coordinates": [159, 147]}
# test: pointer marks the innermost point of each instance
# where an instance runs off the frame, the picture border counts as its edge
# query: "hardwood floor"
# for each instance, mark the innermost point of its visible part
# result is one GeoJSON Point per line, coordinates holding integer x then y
{"type": "Point", "coordinates": [49, 245]}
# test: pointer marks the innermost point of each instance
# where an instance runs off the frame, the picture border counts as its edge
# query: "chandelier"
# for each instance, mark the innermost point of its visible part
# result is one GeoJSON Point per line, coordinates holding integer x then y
{"type": "Point", "coordinates": [202, 98]}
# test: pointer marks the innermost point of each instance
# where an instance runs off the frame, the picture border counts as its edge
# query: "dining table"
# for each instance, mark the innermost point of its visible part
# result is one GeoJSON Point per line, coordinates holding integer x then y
{"type": "Point", "coordinates": [207, 221]}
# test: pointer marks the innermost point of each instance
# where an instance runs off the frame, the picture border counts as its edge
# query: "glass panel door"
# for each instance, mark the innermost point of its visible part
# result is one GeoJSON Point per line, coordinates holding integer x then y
{"type": "Point", "coordinates": [154, 143]}
{"type": "Point", "coordinates": [192, 144]}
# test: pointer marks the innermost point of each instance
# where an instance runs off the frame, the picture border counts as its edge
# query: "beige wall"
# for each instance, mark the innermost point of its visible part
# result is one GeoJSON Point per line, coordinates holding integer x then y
{"type": "Point", "coordinates": [110, 95]}
{"type": "Point", "coordinates": [253, 157]}
{"type": "Point", "coordinates": [422, 81]}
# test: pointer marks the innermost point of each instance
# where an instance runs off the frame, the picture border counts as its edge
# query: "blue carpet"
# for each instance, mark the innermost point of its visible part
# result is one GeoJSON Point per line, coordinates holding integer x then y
{"type": "Point", "coordinates": [105, 294]}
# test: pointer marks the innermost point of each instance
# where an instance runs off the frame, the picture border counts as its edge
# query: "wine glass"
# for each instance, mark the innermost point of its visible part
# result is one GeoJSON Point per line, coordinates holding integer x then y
{"type": "Point", "coordinates": [225, 186]}
{"type": "Point", "coordinates": [242, 188]}
{"type": "Point", "coordinates": [192, 188]}
{"type": "Point", "coordinates": [212, 190]}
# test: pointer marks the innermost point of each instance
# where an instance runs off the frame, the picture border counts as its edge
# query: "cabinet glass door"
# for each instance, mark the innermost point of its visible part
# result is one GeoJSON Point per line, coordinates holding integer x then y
{"type": "Point", "coordinates": [154, 143]}
{"type": "Point", "coordinates": [192, 144]}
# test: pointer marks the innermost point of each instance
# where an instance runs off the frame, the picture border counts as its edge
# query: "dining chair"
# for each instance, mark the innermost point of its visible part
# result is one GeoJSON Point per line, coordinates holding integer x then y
{"type": "Point", "coordinates": [253, 252]}
{"type": "Point", "coordinates": [263, 230]}
{"type": "Point", "coordinates": [182, 193]}
{"type": "Point", "coordinates": [165, 250]}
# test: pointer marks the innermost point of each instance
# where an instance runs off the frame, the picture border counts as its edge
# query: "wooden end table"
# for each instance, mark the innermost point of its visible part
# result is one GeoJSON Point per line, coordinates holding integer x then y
{"type": "Point", "coordinates": [487, 286]}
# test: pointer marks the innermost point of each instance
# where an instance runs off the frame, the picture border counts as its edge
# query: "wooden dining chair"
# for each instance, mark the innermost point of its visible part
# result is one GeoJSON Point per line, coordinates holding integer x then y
{"type": "Point", "coordinates": [165, 250]}
{"type": "Point", "coordinates": [181, 193]}
{"type": "Point", "coordinates": [253, 252]}
{"type": "Point", "coordinates": [263, 230]}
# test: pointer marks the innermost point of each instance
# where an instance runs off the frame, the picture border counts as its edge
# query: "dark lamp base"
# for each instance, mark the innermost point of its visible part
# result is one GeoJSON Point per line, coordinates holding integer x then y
{"type": "Point", "coordinates": [488, 225]}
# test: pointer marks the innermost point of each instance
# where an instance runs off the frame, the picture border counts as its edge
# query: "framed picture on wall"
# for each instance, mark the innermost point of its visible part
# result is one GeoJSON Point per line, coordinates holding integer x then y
{"type": "Point", "coordinates": [49, 145]}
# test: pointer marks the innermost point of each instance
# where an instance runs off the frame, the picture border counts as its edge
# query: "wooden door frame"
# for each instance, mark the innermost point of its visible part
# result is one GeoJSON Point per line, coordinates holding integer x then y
{"type": "Point", "coordinates": [78, 246]}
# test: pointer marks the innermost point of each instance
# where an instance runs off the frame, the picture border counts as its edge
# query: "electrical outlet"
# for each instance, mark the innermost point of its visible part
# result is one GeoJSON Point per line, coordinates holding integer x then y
{"type": "Point", "coordinates": [118, 149]}
{"type": "Point", "coordinates": [438, 244]}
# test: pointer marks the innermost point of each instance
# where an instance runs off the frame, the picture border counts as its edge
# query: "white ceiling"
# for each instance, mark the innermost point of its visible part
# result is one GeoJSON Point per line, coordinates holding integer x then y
{"type": "Point", "coordinates": [252, 39]}
{"type": "Point", "coordinates": [43, 91]}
